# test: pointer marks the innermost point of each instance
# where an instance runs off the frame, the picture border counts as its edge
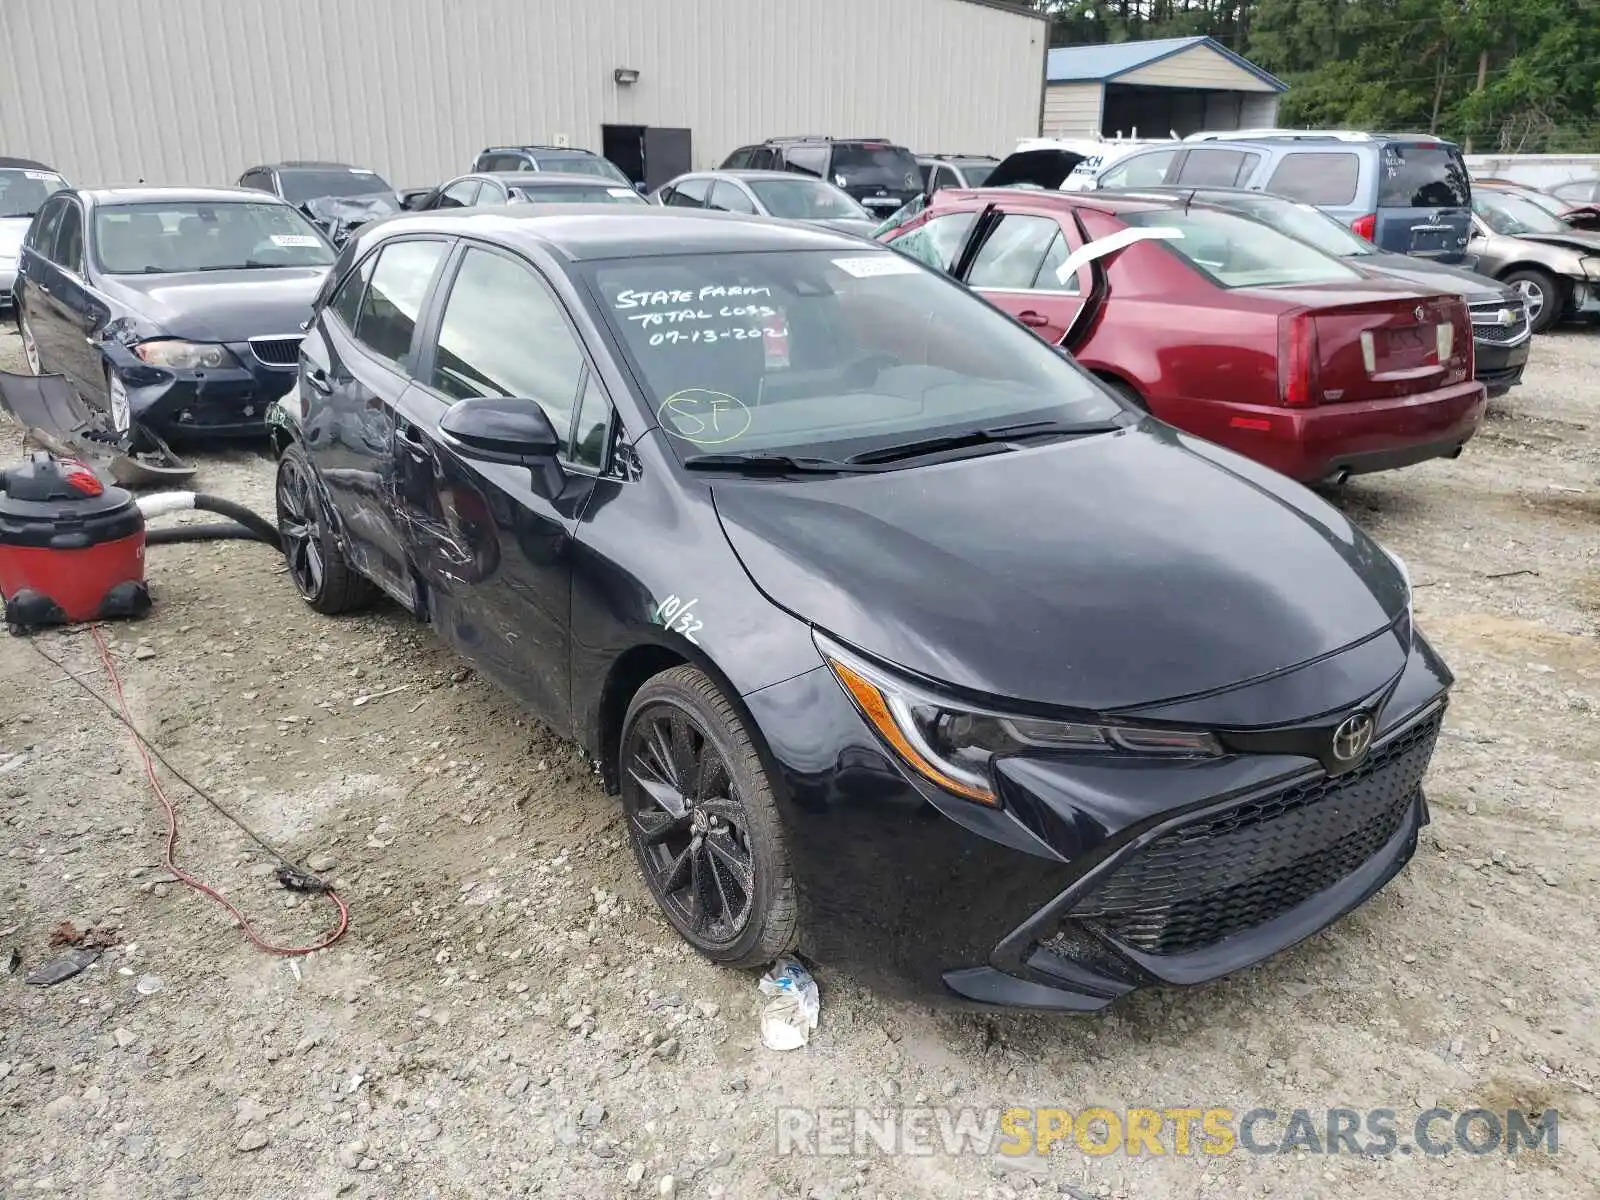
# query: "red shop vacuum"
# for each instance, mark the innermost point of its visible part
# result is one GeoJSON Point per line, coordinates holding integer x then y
{"type": "Point", "coordinates": [72, 547]}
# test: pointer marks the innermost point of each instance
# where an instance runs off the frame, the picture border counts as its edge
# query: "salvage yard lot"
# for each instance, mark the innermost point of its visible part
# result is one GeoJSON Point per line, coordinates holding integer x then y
{"type": "Point", "coordinates": [508, 1015]}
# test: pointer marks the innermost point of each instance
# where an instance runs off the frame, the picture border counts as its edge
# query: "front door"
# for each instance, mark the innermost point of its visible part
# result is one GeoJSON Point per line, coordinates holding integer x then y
{"type": "Point", "coordinates": [367, 334]}
{"type": "Point", "coordinates": [79, 311]}
{"type": "Point", "coordinates": [668, 153]}
{"type": "Point", "coordinates": [493, 541]}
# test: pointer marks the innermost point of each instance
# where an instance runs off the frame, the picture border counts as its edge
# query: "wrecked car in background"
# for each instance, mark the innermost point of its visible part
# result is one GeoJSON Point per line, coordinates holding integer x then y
{"type": "Point", "coordinates": [177, 310]}
{"type": "Point", "coordinates": [1552, 266]}
{"type": "Point", "coordinates": [24, 187]}
{"type": "Point", "coordinates": [338, 197]}
{"type": "Point", "coordinates": [739, 505]}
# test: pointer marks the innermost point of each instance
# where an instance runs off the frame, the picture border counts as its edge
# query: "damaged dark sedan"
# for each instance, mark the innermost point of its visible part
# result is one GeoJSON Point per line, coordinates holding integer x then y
{"type": "Point", "coordinates": [175, 310]}
{"type": "Point", "coordinates": [903, 641]}
{"type": "Point", "coordinates": [338, 197]}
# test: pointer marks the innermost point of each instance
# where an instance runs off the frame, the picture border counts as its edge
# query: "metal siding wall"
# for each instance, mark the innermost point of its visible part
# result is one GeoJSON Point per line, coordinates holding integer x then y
{"type": "Point", "coordinates": [1072, 110]}
{"type": "Point", "coordinates": [1201, 67]}
{"type": "Point", "coordinates": [195, 91]}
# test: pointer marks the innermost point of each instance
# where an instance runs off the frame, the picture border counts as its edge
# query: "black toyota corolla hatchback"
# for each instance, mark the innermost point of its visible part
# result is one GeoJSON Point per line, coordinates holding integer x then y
{"type": "Point", "coordinates": [902, 640]}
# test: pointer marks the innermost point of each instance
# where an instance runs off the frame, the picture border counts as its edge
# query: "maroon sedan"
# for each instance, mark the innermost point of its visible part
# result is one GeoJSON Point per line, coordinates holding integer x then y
{"type": "Point", "coordinates": [1219, 325]}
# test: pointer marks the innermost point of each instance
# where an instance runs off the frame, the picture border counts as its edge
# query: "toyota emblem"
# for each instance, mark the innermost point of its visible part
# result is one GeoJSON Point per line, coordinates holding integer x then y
{"type": "Point", "coordinates": [1352, 738]}
{"type": "Point", "coordinates": [1419, 312]}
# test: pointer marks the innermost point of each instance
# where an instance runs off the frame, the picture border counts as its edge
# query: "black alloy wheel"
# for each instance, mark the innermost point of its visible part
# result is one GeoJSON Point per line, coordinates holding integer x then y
{"type": "Point", "coordinates": [704, 826]}
{"type": "Point", "coordinates": [310, 550]}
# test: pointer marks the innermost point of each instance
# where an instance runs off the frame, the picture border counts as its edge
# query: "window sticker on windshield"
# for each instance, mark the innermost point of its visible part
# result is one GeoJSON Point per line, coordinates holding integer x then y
{"type": "Point", "coordinates": [704, 417]}
{"type": "Point", "coordinates": [361, 171]}
{"type": "Point", "coordinates": [867, 266]}
{"type": "Point", "coordinates": [293, 239]}
{"type": "Point", "coordinates": [38, 175]}
{"type": "Point", "coordinates": [621, 193]}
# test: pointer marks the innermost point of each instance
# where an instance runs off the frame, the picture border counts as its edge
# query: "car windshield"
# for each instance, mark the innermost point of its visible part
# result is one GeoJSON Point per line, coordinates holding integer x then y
{"type": "Point", "coordinates": [1550, 204]}
{"type": "Point", "coordinates": [1237, 252]}
{"type": "Point", "coordinates": [577, 193]}
{"type": "Point", "coordinates": [300, 186]}
{"type": "Point", "coordinates": [583, 164]}
{"type": "Point", "coordinates": [827, 353]}
{"type": "Point", "coordinates": [1304, 221]}
{"type": "Point", "coordinates": [1513, 215]}
{"type": "Point", "coordinates": [165, 238]}
{"type": "Point", "coordinates": [23, 192]}
{"type": "Point", "coordinates": [804, 199]}
{"type": "Point", "coordinates": [875, 164]}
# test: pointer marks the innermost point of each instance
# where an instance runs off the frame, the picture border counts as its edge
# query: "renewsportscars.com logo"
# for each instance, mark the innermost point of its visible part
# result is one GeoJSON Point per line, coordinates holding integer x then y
{"type": "Point", "coordinates": [1099, 1131]}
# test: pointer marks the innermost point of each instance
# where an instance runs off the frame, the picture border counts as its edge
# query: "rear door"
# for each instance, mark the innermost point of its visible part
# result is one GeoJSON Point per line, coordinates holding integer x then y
{"type": "Point", "coordinates": [37, 286]}
{"type": "Point", "coordinates": [1017, 264]}
{"type": "Point", "coordinates": [356, 369]}
{"type": "Point", "coordinates": [79, 311]}
{"type": "Point", "coordinates": [1424, 200]}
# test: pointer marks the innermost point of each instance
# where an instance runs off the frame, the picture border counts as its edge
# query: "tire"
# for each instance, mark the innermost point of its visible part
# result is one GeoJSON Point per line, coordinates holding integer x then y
{"type": "Point", "coordinates": [1125, 391]}
{"type": "Point", "coordinates": [311, 550]}
{"type": "Point", "coordinates": [691, 861]}
{"type": "Point", "coordinates": [30, 348]}
{"type": "Point", "coordinates": [1538, 287]}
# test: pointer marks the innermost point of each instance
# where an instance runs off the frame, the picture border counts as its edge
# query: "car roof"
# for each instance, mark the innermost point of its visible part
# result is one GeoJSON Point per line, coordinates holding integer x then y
{"type": "Point", "coordinates": [535, 146]}
{"type": "Point", "coordinates": [25, 164]}
{"type": "Point", "coordinates": [930, 159]}
{"type": "Point", "coordinates": [306, 164]}
{"type": "Point", "coordinates": [1107, 202]}
{"type": "Point", "coordinates": [175, 195]}
{"type": "Point", "coordinates": [582, 232]}
{"type": "Point", "coordinates": [543, 178]}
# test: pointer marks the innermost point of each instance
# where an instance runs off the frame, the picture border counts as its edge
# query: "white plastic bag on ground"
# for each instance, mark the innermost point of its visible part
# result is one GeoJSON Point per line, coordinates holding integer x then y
{"type": "Point", "coordinates": [791, 1015]}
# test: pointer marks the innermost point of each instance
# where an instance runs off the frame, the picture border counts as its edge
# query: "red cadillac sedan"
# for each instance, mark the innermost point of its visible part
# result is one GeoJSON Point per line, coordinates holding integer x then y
{"type": "Point", "coordinates": [1219, 325]}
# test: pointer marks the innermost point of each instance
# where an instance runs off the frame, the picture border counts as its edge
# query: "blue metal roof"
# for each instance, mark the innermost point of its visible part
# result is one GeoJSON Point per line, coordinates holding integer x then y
{"type": "Point", "coordinates": [1104, 63]}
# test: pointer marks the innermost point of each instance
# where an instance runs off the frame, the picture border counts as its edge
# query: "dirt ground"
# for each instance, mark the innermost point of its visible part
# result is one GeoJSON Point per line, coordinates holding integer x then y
{"type": "Point", "coordinates": [507, 1016]}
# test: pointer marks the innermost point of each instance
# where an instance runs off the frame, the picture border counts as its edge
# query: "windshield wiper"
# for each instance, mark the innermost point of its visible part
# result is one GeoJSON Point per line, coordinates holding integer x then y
{"type": "Point", "coordinates": [770, 464]}
{"type": "Point", "coordinates": [992, 434]}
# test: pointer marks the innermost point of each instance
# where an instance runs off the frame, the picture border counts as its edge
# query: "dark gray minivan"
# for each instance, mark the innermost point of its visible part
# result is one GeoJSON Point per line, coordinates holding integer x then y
{"type": "Point", "coordinates": [1408, 193]}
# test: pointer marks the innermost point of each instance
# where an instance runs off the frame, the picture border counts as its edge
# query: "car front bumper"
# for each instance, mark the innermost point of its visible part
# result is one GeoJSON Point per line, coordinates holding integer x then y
{"type": "Point", "coordinates": [1498, 367]}
{"type": "Point", "coordinates": [1094, 877]}
{"type": "Point", "coordinates": [230, 402]}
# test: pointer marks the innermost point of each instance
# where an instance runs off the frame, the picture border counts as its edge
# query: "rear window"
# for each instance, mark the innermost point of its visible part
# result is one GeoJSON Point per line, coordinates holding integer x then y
{"type": "Point", "coordinates": [583, 164]}
{"type": "Point", "coordinates": [1324, 179]}
{"type": "Point", "coordinates": [578, 193]}
{"type": "Point", "coordinates": [976, 175]}
{"type": "Point", "coordinates": [1236, 252]}
{"type": "Point", "coordinates": [1422, 177]}
{"type": "Point", "coordinates": [881, 165]}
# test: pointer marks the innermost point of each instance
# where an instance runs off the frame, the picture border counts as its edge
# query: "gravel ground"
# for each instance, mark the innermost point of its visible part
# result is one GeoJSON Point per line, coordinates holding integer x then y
{"type": "Point", "coordinates": [508, 1016]}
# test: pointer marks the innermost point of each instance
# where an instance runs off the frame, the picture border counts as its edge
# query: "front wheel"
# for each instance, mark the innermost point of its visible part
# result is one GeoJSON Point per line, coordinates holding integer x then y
{"type": "Point", "coordinates": [703, 822]}
{"type": "Point", "coordinates": [1541, 293]}
{"type": "Point", "coordinates": [311, 549]}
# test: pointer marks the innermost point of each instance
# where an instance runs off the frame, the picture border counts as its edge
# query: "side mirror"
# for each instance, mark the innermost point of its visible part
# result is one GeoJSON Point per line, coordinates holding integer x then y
{"type": "Point", "coordinates": [511, 431]}
{"type": "Point", "coordinates": [642, 188]}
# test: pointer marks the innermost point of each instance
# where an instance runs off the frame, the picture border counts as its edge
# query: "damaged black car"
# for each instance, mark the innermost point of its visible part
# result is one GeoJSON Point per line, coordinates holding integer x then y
{"type": "Point", "coordinates": [902, 640]}
{"type": "Point", "coordinates": [174, 310]}
{"type": "Point", "coordinates": [338, 197]}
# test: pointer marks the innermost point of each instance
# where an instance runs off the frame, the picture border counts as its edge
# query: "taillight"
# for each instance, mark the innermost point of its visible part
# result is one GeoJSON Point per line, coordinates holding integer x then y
{"type": "Point", "coordinates": [1297, 359]}
{"type": "Point", "coordinates": [1366, 226]}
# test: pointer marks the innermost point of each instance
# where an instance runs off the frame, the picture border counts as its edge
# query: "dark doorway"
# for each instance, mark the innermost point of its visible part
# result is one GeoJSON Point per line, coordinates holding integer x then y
{"type": "Point", "coordinates": [624, 145]}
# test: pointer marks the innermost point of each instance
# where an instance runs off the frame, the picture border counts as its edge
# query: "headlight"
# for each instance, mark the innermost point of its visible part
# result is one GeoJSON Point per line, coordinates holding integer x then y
{"type": "Point", "coordinates": [952, 744]}
{"type": "Point", "coordinates": [185, 356]}
{"type": "Point", "coordinates": [1591, 267]}
{"type": "Point", "coordinates": [1405, 576]}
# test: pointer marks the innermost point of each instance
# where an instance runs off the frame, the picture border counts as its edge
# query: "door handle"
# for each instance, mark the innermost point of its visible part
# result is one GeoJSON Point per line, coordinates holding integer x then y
{"type": "Point", "coordinates": [43, 289]}
{"type": "Point", "coordinates": [1032, 319]}
{"type": "Point", "coordinates": [318, 378]}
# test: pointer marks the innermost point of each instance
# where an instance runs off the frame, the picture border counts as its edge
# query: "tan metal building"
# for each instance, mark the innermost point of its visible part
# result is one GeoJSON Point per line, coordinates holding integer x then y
{"type": "Point", "coordinates": [195, 91]}
{"type": "Point", "coordinates": [1152, 89]}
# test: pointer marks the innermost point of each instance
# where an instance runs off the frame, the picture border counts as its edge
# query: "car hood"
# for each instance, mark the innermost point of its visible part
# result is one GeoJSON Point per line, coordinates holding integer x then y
{"type": "Point", "coordinates": [1582, 242]}
{"type": "Point", "coordinates": [12, 231]}
{"type": "Point", "coordinates": [221, 306]}
{"type": "Point", "coordinates": [1101, 573]}
{"type": "Point", "coordinates": [1432, 275]}
{"type": "Point", "coordinates": [857, 225]}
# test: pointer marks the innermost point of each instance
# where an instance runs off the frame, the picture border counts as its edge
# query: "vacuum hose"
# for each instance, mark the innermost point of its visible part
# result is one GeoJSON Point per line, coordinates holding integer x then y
{"type": "Point", "coordinates": [241, 523]}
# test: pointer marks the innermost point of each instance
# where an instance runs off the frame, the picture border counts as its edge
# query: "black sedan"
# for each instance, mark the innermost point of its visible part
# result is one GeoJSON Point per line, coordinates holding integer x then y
{"type": "Point", "coordinates": [176, 309]}
{"type": "Point", "coordinates": [488, 188]}
{"type": "Point", "coordinates": [338, 197]}
{"type": "Point", "coordinates": [902, 640]}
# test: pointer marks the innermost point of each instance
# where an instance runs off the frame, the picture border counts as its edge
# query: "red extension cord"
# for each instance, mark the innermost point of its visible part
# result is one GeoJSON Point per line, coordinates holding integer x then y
{"type": "Point", "coordinates": [110, 666]}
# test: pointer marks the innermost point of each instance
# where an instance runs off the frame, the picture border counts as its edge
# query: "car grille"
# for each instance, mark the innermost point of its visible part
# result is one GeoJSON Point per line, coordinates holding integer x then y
{"type": "Point", "coordinates": [1203, 882]}
{"type": "Point", "coordinates": [276, 351]}
{"type": "Point", "coordinates": [1495, 333]}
